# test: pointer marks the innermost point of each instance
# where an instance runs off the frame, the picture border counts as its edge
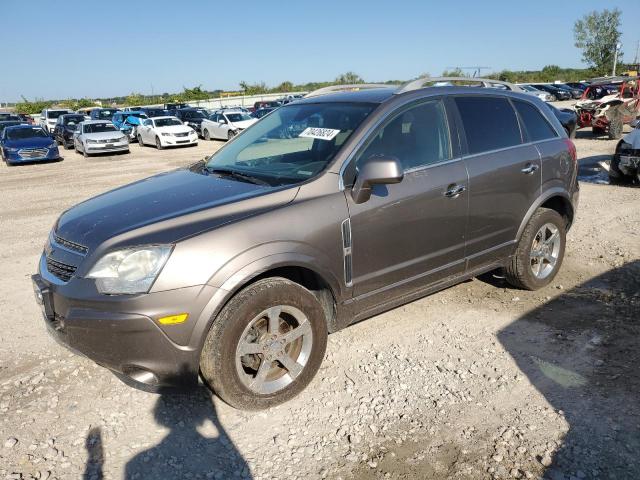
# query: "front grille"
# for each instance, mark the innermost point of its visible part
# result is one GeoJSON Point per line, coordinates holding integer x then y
{"type": "Point", "coordinates": [181, 134]}
{"type": "Point", "coordinates": [109, 140]}
{"type": "Point", "coordinates": [60, 270]}
{"type": "Point", "coordinates": [76, 247]}
{"type": "Point", "coordinates": [33, 152]}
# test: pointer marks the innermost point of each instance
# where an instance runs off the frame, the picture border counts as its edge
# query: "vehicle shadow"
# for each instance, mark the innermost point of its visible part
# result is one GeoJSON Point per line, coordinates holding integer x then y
{"type": "Point", "coordinates": [581, 350]}
{"type": "Point", "coordinates": [196, 446]}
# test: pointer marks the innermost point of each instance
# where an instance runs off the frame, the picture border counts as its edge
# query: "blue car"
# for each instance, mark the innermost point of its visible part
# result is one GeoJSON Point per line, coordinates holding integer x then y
{"type": "Point", "coordinates": [127, 122]}
{"type": "Point", "coordinates": [27, 143]}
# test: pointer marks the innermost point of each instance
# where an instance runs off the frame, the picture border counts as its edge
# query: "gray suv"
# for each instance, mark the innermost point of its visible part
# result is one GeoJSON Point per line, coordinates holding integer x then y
{"type": "Point", "coordinates": [330, 210]}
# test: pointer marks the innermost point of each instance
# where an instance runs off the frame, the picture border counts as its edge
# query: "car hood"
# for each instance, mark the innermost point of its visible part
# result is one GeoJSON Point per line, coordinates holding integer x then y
{"type": "Point", "coordinates": [633, 139]}
{"type": "Point", "coordinates": [102, 135]}
{"type": "Point", "coordinates": [245, 123]}
{"type": "Point", "coordinates": [174, 129]}
{"type": "Point", "coordinates": [166, 208]}
{"type": "Point", "coordinates": [35, 142]}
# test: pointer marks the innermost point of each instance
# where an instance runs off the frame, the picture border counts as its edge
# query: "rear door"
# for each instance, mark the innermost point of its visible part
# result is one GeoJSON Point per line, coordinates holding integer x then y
{"type": "Point", "coordinates": [410, 234]}
{"type": "Point", "coordinates": [504, 175]}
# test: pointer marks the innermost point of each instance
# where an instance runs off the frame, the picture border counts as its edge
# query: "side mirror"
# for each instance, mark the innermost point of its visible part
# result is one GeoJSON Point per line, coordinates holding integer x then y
{"type": "Point", "coordinates": [377, 170]}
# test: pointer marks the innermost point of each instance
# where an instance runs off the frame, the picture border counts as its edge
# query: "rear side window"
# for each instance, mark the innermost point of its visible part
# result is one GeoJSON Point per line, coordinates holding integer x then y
{"type": "Point", "coordinates": [417, 136]}
{"type": "Point", "coordinates": [535, 124]}
{"type": "Point", "coordinates": [490, 123]}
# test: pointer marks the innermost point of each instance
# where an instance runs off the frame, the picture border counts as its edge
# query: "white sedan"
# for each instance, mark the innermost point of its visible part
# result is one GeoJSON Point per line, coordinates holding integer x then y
{"type": "Point", "coordinates": [226, 124]}
{"type": "Point", "coordinates": [165, 132]}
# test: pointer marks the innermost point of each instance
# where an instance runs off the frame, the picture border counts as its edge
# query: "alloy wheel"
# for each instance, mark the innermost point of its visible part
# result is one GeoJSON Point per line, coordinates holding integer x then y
{"type": "Point", "coordinates": [545, 250]}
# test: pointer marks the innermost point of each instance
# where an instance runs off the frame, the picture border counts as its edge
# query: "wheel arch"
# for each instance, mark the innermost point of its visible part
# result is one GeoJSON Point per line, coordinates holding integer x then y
{"type": "Point", "coordinates": [296, 268]}
{"type": "Point", "coordinates": [555, 199]}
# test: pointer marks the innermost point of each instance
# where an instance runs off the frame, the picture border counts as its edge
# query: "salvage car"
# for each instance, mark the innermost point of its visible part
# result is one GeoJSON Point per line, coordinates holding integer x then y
{"type": "Point", "coordinates": [226, 124]}
{"type": "Point", "coordinates": [605, 109]}
{"type": "Point", "coordinates": [237, 267]}
{"type": "Point", "coordinates": [49, 117]}
{"type": "Point", "coordinates": [166, 132]}
{"type": "Point", "coordinates": [99, 136]}
{"type": "Point", "coordinates": [66, 126]}
{"type": "Point", "coordinates": [27, 144]}
{"type": "Point", "coordinates": [625, 164]}
{"type": "Point", "coordinates": [128, 122]}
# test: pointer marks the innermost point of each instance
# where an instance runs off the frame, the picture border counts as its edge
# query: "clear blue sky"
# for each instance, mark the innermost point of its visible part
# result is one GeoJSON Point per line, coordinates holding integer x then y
{"type": "Point", "coordinates": [82, 48]}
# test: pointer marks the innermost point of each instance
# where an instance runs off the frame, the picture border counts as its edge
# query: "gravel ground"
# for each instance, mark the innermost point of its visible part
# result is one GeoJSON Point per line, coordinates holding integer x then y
{"type": "Point", "coordinates": [477, 381]}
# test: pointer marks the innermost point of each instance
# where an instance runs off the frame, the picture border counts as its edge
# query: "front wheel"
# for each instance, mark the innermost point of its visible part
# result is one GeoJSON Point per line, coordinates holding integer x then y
{"type": "Point", "coordinates": [206, 135]}
{"type": "Point", "coordinates": [230, 135]}
{"type": "Point", "coordinates": [158, 143]}
{"type": "Point", "coordinates": [616, 126]}
{"type": "Point", "coordinates": [266, 344]}
{"type": "Point", "coordinates": [540, 251]}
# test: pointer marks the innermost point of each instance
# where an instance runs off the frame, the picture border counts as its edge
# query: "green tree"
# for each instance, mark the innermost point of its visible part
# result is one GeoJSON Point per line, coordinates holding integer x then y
{"type": "Point", "coordinates": [456, 72]}
{"type": "Point", "coordinates": [134, 99]}
{"type": "Point", "coordinates": [349, 78]}
{"type": "Point", "coordinates": [597, 34]}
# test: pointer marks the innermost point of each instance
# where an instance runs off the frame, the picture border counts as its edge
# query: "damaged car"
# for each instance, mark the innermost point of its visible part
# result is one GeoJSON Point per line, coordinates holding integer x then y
{"type": "Point", "coordinates": [608, 104]}
{"type": "Point", "coordinates": [625, 164]}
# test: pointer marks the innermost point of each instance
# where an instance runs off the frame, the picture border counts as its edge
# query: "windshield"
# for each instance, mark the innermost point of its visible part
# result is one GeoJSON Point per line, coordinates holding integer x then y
{"type": "Point", "coordinates": [106, 114]}
{"type": "Point", "coordinates": [155, 113]}
{"type": "Point", "coordinates": [24, 133]}
{"type": "Point", "coordinates": [238, 117]}
{"type": "Point", "coordinates": [99, 128]}
{"type": "Point", "coordinates": [56, 113]}
{"type": "Point", "coordinates": [167, 122]}
{"type": "Point", "coordinates": [74, 120]}
{"type": "Point", "coordinates": [293, 144]}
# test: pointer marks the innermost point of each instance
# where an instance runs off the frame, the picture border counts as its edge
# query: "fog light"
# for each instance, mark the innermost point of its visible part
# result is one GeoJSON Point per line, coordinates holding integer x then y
{"type": "Point", "coordinates": [173, 319]}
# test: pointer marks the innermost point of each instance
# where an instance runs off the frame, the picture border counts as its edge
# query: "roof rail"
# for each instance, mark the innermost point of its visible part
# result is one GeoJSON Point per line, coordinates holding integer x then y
{"type": "Point", "coordinates": [483, 82]}
{"type": "Point", "coordinates": [345, 88]}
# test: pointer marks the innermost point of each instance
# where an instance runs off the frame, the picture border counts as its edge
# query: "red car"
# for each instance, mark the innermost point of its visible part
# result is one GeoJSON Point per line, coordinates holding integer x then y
{"type": "Point", "coordinates": [608, 104]}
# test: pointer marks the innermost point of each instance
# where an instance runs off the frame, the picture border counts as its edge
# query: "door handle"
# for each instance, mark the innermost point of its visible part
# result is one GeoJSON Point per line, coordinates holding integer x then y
{"type": "Point", "coordinates": [454, 191]}
{"type": "Point", "coordinates": [530, 168]}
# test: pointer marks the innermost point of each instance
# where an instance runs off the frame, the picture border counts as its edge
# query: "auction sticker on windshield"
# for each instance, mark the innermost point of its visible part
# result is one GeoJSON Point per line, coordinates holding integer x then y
{"type": "Point", "coordinates": [319, 133]}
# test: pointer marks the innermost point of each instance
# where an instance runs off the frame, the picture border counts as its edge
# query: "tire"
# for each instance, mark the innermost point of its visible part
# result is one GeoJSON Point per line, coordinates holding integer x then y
{"type": "Point", "coordinates": [230, 135]}
{"type": "Point", "coordinates": [158, 144]}
{"type": "Point", "coordinates": [231, 378]}
{"type": "Point", "coordinates": [140, 142]}
{"type": "Point", "coordinates": [84, 152]}
{"type": "Point", "coordinates": [616, 176]}
{"type": "Point", "coordinates": [616, 125]}
{"type": "Point", "coordinates": [206, 135]}
{"type": "Point", "coordinates": [66, 146]}
{"type": "Point", "coordinates": [520, 271]}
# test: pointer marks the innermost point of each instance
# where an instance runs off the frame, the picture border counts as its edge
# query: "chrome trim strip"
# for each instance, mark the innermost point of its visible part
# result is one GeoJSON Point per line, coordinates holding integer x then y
{"type": "Point", "coordinates": [345, 228]}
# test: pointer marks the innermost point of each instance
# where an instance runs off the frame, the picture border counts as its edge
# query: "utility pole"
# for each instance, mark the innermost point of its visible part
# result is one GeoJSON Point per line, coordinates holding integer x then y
{"type": "Point", "coordinates": [615, 58]}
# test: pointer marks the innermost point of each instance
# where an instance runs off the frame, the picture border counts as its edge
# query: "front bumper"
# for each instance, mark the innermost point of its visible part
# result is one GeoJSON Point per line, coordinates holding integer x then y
{"type": "Point", "coordinates": [628, 163]}
{"type": "Point", "coordinates": [173, 141]}
{"type": "Point", "coordinates": [121, 332]}
{"type": "Point", "coordinates": [18, 157]}
{"type": "Point", "coordinates": [107, 147]}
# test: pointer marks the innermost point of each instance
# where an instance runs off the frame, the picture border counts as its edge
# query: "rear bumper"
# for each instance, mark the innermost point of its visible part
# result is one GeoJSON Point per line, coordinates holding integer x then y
{"type": "Point", "coordinates": [122, 332]}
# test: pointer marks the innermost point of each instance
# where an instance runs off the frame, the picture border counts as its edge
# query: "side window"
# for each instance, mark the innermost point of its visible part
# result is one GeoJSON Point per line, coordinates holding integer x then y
{"type": "Point", "coordinates": [536, 126]}
{"type": "Point", "coordinates": [489, 123]}
{"type": "Point", "coordinates": [417, 136]}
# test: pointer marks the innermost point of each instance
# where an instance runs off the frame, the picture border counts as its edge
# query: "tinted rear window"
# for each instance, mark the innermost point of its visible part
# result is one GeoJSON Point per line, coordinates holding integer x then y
{"type": "Point", "coordinates": [489, 122]}
{"type": "Point", "coordinates": [536, 125]}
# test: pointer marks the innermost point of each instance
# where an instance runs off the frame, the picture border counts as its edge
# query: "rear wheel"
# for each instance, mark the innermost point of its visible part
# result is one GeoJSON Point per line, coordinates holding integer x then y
{"type": "Point", "coordinates": [540, 251]}
{"type": "Point", "coordinates": [140, 141]}
{"type": "Point", "coordinates": [266, 344]}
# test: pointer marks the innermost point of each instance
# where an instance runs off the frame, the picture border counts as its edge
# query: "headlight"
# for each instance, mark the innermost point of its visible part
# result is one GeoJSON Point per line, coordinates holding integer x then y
{"type": "Point", "coordinates": [52, 146]}
{"type": "Point", "coordinates": [11, 149]}
{"type": "Point", "coordinates": [132, 270]}
{"type": "Point", "coordinates": [165, 134]}
{"type": "Point", "coordinates": [192, 132]}
{"type": "Point", "coordinates": [92, 141]}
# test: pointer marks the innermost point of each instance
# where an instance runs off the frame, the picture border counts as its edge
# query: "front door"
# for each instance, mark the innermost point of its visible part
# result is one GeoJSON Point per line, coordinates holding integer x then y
{"type": "Point", "coordinates": [410, 234]}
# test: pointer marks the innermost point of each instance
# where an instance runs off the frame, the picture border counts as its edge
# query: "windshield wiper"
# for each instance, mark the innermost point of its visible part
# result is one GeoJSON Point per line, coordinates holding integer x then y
{"type": "Point", "coordinates": [237, 175]}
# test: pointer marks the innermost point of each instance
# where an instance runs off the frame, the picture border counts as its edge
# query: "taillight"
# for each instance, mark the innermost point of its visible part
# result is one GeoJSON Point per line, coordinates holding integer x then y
{"type": "Point", "coordinates": [572, 150]}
